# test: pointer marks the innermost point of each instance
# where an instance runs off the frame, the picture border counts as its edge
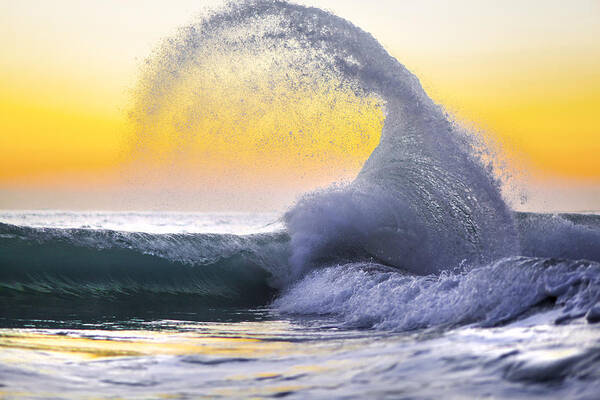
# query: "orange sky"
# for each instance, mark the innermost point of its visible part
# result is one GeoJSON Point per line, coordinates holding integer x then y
{"type": "Point", "coordinates": [526, 75]}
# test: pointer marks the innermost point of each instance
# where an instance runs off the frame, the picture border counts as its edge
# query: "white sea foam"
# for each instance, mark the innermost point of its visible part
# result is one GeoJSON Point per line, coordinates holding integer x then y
{"type": "Point", "coordinates": [372, 296]}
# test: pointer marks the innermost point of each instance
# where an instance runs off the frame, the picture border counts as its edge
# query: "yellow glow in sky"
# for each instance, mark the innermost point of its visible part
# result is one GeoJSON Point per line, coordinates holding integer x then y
{"type": "Point", "coordinates": [528, 74]}
{"type": "Point", "coordinates": [228, 118]}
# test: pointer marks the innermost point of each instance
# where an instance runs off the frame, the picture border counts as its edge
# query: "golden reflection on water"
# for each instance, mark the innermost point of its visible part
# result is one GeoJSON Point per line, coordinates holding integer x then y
{"type": "Point", "coordinates": [137, 343]}
{"type": "Point", "coordinates": [282, 357]}
{"type": "Point", "coordinates": [45, 351]}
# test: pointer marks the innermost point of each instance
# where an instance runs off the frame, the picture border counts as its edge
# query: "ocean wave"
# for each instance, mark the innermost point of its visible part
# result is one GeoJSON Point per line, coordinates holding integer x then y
{"type": "Point", "coordinates": [73, 269]}
{"type": "Point", "coordinates": [424, 199]}
{"type": "Point", "coordinates": [573, 236]}
{"type": "Point", "coordinates": [219, 269]}
{"type": "Point", "coordinates": [425, 203]}
{"type": "Point", "coordinates": [374, 296]}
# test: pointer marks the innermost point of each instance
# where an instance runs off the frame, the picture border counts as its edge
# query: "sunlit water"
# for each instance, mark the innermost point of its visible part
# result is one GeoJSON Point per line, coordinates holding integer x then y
{"type": "Point", "coordinates": [270, 356]}
{"type": "Point", "coordinates": [146, 221]}
{"type": "Point", "coordinates": [215, 351]}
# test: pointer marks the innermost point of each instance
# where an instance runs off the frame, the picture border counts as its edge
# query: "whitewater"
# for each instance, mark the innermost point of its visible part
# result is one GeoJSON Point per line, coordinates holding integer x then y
{"type": "Point", "coordinates": [415, 280]}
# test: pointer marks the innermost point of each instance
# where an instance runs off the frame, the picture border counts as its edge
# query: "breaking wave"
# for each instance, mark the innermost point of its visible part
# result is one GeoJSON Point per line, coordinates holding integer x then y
{"type": "Point", "coordinates": [374, 296]}
{"type": "Point", "coordinates": [420, 238]}
{"type": "Point", "coordinates": [109, 265]}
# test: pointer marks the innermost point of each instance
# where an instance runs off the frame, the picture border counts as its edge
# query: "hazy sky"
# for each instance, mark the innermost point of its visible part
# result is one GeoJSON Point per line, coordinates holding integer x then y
{"type": "Point", "coordinates": [526, 73]}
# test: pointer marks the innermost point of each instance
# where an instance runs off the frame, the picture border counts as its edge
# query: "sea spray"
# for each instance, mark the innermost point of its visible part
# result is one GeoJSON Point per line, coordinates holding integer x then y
{"type": "Point", "coordinates": [423, 201]}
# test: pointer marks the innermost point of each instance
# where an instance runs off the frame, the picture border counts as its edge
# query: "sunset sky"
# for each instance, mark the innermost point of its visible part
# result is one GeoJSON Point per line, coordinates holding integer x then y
{"type": "Point", "coordinates": [525, 73]}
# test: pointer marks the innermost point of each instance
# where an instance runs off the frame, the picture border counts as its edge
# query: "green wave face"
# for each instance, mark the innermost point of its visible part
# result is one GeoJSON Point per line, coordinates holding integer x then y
{"type": "Point", "coordinates": [60, 272]}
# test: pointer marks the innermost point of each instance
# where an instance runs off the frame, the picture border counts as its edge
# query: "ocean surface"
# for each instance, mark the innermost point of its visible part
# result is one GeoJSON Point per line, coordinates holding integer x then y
{"type": "Point", "coordinates": [91, 312]}
{"type": "Point", "coordinates": [416, 280]}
